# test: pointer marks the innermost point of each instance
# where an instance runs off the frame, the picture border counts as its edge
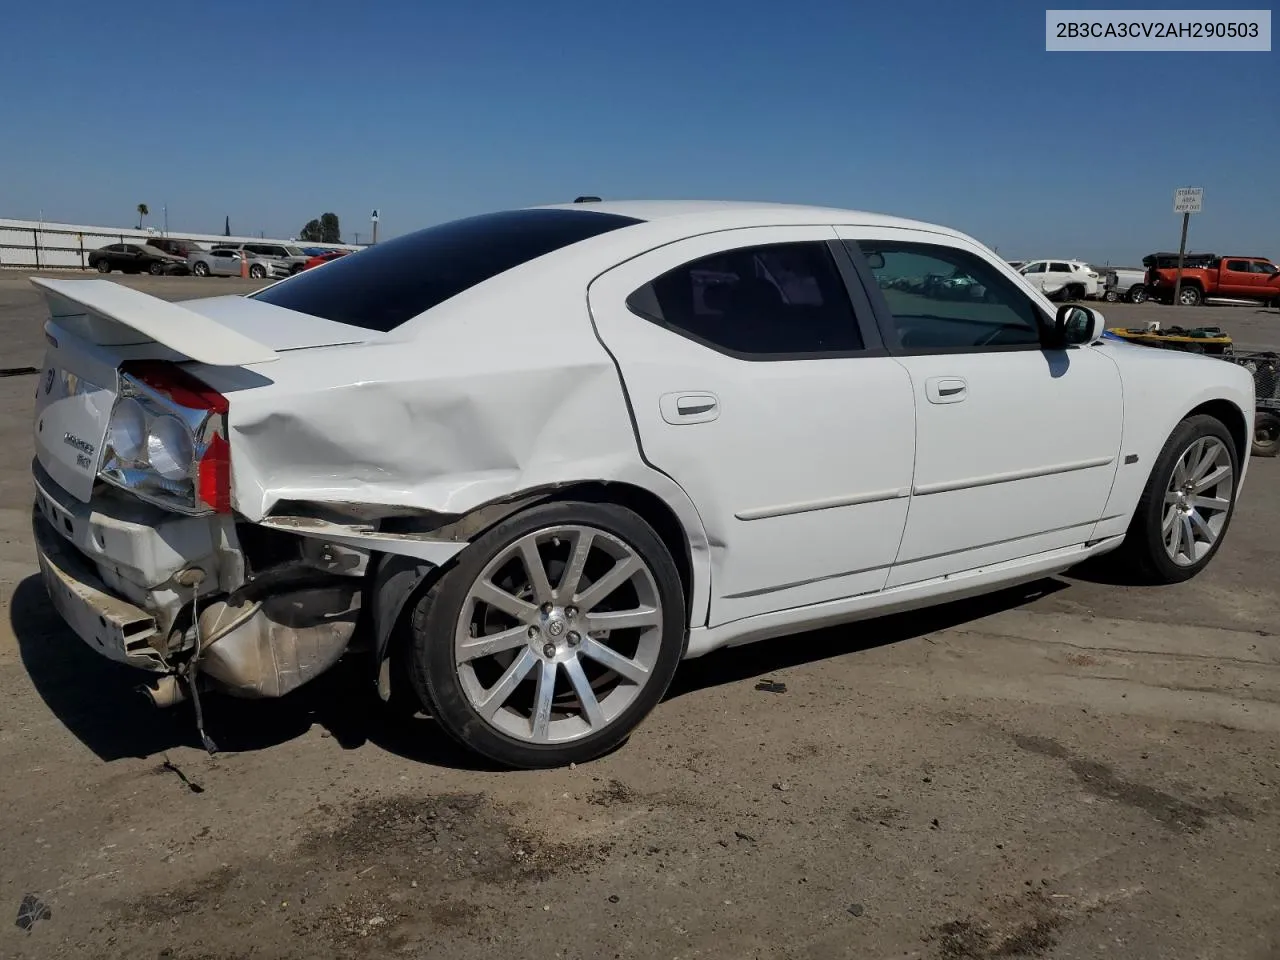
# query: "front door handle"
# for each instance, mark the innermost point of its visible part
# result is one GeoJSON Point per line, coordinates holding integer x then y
{"type": "Point", "coordinates": [681, 408]}
{"type": "Point", "coordinates": [946, 389]}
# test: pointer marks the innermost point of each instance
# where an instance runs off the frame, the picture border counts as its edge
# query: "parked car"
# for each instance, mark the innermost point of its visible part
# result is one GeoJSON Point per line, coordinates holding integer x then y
{"type": "Point", "coordinates": [176, 246]}
{"type": "Point", "coordinates": [1063, 279]}
{"type": "Point", "coordinates": [226, 262]}
{"type": "Point", "coordinates": [1122, 283]}
{"type": "Point", "coordinates": [1254, 279]}
{"type": "Point", "coordinates": [742, 432]}
{"type": "Point", "coordinates": [322, 258]}
{"type": "Point", "coordinates": [292, 256]}
{"type": "Point", "coordinates": [135, 258]}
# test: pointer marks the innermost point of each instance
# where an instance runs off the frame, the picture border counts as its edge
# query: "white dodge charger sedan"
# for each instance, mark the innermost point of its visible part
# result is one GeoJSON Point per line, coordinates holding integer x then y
{"type": "Point", "coordinates": [528, 461]}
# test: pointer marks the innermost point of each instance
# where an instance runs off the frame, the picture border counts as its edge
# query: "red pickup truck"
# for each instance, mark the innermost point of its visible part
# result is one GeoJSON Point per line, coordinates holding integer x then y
{"type": "Point", "coordinates": [1206, 276]}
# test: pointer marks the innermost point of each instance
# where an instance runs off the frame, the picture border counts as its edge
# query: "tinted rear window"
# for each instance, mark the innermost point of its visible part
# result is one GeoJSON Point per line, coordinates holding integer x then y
{"type": "Point", "coordinates": [381, 287]}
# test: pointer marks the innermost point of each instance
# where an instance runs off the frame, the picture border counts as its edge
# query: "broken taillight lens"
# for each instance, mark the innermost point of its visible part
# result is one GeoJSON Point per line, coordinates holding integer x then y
{"type": "Point", "coordinates": [167, 439]}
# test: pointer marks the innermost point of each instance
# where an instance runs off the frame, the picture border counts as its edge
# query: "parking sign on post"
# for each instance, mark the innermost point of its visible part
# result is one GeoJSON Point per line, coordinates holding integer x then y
{"type": "Point", "coordinates": [1186, 201]}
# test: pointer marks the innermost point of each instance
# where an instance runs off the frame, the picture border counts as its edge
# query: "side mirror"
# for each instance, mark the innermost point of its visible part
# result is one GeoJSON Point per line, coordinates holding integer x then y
{"type": "Point", "coordinates": [875, 261]}
{"type": "Point", "coordinates": [1074, 325]}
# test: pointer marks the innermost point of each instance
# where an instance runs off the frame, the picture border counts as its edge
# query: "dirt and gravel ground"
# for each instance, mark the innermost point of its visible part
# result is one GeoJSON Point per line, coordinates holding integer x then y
{"type": "Point", "coordinates": [1071, 770]}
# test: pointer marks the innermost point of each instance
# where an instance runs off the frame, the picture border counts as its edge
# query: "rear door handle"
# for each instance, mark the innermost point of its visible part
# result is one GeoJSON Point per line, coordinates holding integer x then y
{"type": "Point", "coordinates": [680, 408]}
{"type": "Point", "coordinates": [946, 389]}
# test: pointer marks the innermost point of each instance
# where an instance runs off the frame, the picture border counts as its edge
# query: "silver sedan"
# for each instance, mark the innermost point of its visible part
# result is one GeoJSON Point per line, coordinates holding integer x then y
{"type": "Point", "coordinates": [225, 262]}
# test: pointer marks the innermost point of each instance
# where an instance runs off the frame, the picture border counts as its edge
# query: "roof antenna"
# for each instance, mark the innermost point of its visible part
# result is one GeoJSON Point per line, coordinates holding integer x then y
{"type": "Point", "coordinates": [587, 200]}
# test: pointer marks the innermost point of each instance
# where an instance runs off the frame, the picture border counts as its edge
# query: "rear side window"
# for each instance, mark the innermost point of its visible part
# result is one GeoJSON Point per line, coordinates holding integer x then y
{"type": "Point", "coordinates": [381, 287]}
{"type": "Point", "coordinates": [1240, 266]}
{"type": "Point", "coordinates": [756, 303]}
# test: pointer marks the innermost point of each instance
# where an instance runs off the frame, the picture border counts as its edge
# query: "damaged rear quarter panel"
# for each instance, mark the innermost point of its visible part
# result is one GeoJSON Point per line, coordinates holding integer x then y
{"type": "Point", "coordinates": [499, 390]}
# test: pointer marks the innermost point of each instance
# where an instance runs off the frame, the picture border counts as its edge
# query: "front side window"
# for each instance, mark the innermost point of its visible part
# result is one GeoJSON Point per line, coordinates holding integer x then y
{"type": "Point", "coordinates": [763, 302]}
{"type": "Point", "coordinates": [1037, 267]}
{"type": "Point", "coordinates": [395, 281]}
{"type": "Point", "coordinates": [1267, 268]}
{"type": "Point", "coordinates": [942, 298]}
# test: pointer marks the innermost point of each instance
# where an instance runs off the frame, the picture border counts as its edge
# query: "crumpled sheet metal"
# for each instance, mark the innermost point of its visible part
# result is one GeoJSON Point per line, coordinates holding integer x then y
{"type": "Point", "coordinates": [480, 399]}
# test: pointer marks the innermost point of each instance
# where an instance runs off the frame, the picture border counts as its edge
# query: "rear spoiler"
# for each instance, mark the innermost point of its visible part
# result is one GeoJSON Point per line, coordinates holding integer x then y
{"type": "Point", "coordinates": [104, 312]}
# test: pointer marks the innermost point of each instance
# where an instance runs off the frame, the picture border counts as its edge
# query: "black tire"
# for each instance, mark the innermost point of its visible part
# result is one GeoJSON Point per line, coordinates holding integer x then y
{"type": "Point", "coordinates": [257, 271]}
{"type": "Point", "coordinates": [1266, 434]}
{"type": "Point", "coordinates": [103, 266]}
{"type": "Point", "coordinates": [200, 268]}
{"type": "Point", "coordinates": [1143, 551]}
{"type": "Point", "coordinates": [1137, 293]}
{"type": "Point", "coordinates": [434, 618]}
{"type": "Point", "coordinates": [156, 268]}
{"type": "Point", "coordinates": [1111, 296]}
{"type": "Point", "coordinates": [1190, 296]}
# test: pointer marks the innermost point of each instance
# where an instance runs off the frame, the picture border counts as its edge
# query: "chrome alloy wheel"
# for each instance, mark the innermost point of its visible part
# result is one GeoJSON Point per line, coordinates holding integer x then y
{"type": "Point", "coordinates": [558, 634]}
{"type": "Point", "coordinates": [1197, 501]}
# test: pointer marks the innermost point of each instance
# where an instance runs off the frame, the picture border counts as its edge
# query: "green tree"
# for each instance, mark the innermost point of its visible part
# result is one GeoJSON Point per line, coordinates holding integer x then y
{"type": "Point", "coordinates": [329, 229]}
{"type": "Point", "coordinates": [312, 232]}
{"type": "Point", "coordinates": [142, 212]}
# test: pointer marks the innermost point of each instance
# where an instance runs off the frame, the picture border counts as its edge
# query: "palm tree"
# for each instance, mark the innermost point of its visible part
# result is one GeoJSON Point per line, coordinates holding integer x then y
{"type": "Point", "coordinates": [142, 212]}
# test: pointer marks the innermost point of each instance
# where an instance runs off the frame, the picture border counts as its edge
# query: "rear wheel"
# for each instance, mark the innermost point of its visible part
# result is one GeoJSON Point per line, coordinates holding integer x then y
{"type": "Point", "coordinates": [257, 271]}
{"type": "Point", "coordinates": [156, 268]}
{"type": "Point", "coordinates": [1190, 296]}
{"type": "Point", "coordinates": [200, 268]}
{"type": "Point", "coordinates": [1112, 296]}
{"type": "Point", "coordinates": [1187, 505]}
{"type": "Point", "coordinates": [1266, 434]}
{"type": "Point", "coordinates": [552, 637]}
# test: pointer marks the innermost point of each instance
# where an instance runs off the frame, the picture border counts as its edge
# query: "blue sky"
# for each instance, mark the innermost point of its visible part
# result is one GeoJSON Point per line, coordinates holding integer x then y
{"type": "Point", "coordinates": [950, 112]}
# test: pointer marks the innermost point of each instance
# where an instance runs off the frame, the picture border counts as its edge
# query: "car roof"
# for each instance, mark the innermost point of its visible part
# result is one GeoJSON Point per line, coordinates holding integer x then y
{"type": "Point", "coordinates": [738, 213]}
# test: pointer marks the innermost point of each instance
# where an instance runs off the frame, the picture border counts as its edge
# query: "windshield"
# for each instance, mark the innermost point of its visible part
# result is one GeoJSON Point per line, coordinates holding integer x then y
{"type": "Point", "coordinates": [395, 281]}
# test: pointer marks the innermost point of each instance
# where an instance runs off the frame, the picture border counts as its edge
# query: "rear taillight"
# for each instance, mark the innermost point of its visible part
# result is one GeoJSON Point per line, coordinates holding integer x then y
{"type": "Point", "coordinates": [167, 439]}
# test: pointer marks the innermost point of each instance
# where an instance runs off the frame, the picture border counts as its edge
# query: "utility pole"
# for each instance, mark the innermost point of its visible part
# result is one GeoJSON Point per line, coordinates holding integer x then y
{"type": "Point", "coordinates": [165, 207]}
{"type": "Point", "coordinates": [1186, 201]}
{"type": "Point", "coordinates": [374, 218]}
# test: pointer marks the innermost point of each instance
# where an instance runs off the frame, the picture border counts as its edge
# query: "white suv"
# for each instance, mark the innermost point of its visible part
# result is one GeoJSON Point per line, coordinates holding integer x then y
{"type": "Point", "coordinates": [1063, 279]}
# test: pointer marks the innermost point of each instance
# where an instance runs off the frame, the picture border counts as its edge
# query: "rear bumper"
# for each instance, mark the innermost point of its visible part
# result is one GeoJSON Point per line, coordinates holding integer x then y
{"type": "Point", "coordinates": [111, 626]}
{"type": "Point", "coordinates": [109, 567]}
{"type": "Point", "coordinates": [133, 547]}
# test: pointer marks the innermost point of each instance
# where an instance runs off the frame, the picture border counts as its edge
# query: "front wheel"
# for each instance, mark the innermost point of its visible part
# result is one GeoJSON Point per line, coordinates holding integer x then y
{"type": "Point", "coordinates": [1185, 510]}
{"type": "Point", "coordinates": [552, 637]}
{"type": "Point", "coordinates": [156, 269]}
{"type": "Point", "coordinates": [257, 271]}
{"type": "Point", "coordinates": [1137, 293]}
{"type": "Point", "coordinates": [1266, 434]}
{"type": "Point", "coordinates": [103, 266]}
{"type": "Point", "coordinates": [1111, 296]}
